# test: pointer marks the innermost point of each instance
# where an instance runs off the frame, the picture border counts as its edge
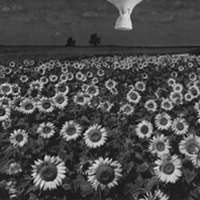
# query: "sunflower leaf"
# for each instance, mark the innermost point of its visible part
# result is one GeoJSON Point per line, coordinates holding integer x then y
{"type": "Point", "coordinates": [189, 175]}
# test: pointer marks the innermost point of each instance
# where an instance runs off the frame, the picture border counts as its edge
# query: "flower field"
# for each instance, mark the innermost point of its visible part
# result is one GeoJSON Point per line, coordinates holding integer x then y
{"type": "Point", "coordinates": [101, 128]}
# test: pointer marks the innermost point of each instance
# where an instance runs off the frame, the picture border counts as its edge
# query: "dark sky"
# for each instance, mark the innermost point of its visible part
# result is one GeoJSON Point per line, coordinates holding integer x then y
{"type": "Point", "coordinates": [51, 22]}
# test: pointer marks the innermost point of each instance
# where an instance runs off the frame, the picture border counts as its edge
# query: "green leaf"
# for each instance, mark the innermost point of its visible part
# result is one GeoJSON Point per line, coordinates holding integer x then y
{"type": "Point", "coordinates": [189, 175]}
{"type": "Point", "coordinates": [86, 189]}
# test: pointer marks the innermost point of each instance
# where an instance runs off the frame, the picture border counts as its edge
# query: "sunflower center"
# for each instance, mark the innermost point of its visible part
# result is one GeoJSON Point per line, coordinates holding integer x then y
{"type": "Point", "coordinates": [144, 129]}
{"type": "Point", "coordinates": [180, 126]}
{"type": "Point", "coordinates": [2, 112]}
{"type": "Point", "coordinates": [60, 100]}
{"type": "Point", "coordinates": [127, 109]}
{"type": "Point", "coordinates": [95, 136]}
{"type": "Point", "coordinates": [48, 173]}
{"type": "Point", "coordinates": [133, 95]}
{"type": "Point", "coordinates": [19, 138]}
{"type": "Point", "coordinates": [160, 146]}
{"type": "Point", "coordinates": [29, 106]}
{"type": "Point", "coordinates": [192, 147]}
{"type": "Point", "coordinates": [46, 129]}
{"type": "Point", "coordinates": [80, 99]}
{"type": "Point", "coordinates": [168, 168]}
{"type": "Point", "coordinates": [91, 90]}
{"type": "Point", "coordinates": [62, 88]}
{"type": "Point", "coordinates": [6, 89]}
{"type": "Point", "coordinates": [150, 105]}
{"type": "Point", "coordinates": [46, 105]}
{"type": "Point", "coordinates": [163, 121]}
{"type": "Point", "coordinates": [71, 130]}
{"type": "Point", "coordinates": [105, 174]}
{"type": "Point", "coordinates": [166, 105]}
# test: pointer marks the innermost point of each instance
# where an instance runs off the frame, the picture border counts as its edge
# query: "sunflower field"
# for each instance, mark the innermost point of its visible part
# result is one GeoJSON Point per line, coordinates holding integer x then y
{"type": "Point", "coordinates": [101, 128]}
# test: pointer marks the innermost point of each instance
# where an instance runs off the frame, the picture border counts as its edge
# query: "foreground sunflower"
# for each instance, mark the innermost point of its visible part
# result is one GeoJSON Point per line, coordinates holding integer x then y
{"type": "Point", "coordinates": [189, 145]}
{"type": "Point", "coordinates": [159, 145]}
{"type": "Point", "coordinates": [157, 195]}
{"type": "Point", "coordinates": [95, 136]}
{"type": "Point", "coordinates": [163, 121]}
{"type": "Point", "coordinates": [71, 130]}
{"type": "Point", "coordinates": [168, 168]}
{"type": "Point", "coordinates": [19, 138]}
{"type": "Point", "coordinates": [180, 126]}
{"type": "Point", "coordinates": [144, 129]}
{"type": "Point", "coordinates": [48, 173]}
{"type": "Point", "coordinates": [46, 130]}
{"type": "Point", "coordinates": [104, 173]}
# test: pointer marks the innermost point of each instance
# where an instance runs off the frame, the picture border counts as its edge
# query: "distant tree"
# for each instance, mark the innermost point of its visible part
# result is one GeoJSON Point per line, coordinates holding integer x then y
{"type": "Point", "coordinates": [94, 40]}
{"type": "Point", "coordinates": [70, 42]}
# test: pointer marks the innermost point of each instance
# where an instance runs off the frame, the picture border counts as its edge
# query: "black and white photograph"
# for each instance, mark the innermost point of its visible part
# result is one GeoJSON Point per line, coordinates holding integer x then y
{"type": "Point", "coordinates": [99, 100]}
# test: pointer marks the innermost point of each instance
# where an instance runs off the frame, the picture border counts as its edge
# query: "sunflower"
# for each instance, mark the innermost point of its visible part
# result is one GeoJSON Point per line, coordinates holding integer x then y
{"type": "Point", "coordinates": [195, 158]}
{"type": "Point", "coordinates": [104, 173]}
{"type": "Point", "coordinates": [4, 112]}
{"type": "Point", "coordinates": [168, 168]}
{"type": "Point", "coordinates": [159, 145]}
{"type": "Point", "coordinates": [157, 195]}
{"type": "Point", "coordinates": [110, 84]}
{"type": "Point", "coordinates": [176, 95]}
{"type": "Point", "coordinates": [71, 130]}
{"type": "Point", "coordinates": [79, 76]}
{"type": "Point", "coordinates": [100, 72]}
{"type": "Point", "coordinates": [19, 138]}
{"type": "Point", "coordinates": [95, 80]}
{"type": "Point", "coordinates": [63, 78]}
{"type": "Point", "coordinates": [144, 129]}
{"type": "Point", "coordinates": [151, 105]}
{"type": "Point", "coordinates": [171, 81]}
{"type": "Point", "coordinates": [48, 173]}
{"type": "Point", "coordinates": [6, 88]}
{"type": "Point", "coordinates": [53, 78]}
{"type": "Point", "coordinates": [95, 136]}
{"type": "Point", "coordinates": [180, 126]}
{"type": "Point", "coordinates": [190, 145]}
{"type": "Point", "coordinates": [28, 106]}
{"type": "Point", "coordinates": [140, 85]}
{"type": "Point", "coordinates": [166, 104]}
{"type": "Point", "coordinates": [92, 90]}
{"type": "Point", "coordinates": [188, 96]}
{"type": "Point", "coordinates": [60, 100]}
{"type": "Point", "coordinates": [105, 106]}
{"type": "Point", "coordinates": [127, 109]}
{"type": "Point", "coordinates": [114, 91]}
{"type": "Point", "coordinates": [62, 87]}
{"type": "Point", "coordinates": [70, 76]}
{"type": "Point", "coordinates": [16, 89]}
{"type": "Point", "coordinates": [81, 99]}
{"type": "Point", "coordinates": [36, 85]}
{"type": "Point", "coordinates": [194, 90]}
{"type": "Point", "coordinates": [177, 87]}
{"type": "Point", "coordinates": [45, 105]}
{"type": "Point", "coordinates": [133, 96]}
{"type": "Point", "coordinates": [192, 76]}
{"type": "Point", "coordinates": [163, 121]}
{"type": "Point", "coordinates": [46, 130]}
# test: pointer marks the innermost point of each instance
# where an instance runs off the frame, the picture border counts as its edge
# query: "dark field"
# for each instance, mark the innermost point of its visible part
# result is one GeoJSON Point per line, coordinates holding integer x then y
{"type": "Point", "coordinates": [19, 53]}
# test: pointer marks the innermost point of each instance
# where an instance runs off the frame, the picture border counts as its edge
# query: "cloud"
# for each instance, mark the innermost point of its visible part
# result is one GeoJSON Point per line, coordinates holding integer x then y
{"type": "Point", "coordinates": [13, 8]}
{"type": "Point", "coordinates": [91, 14]}
{"type": "Point", "coordinates": [157, 19]}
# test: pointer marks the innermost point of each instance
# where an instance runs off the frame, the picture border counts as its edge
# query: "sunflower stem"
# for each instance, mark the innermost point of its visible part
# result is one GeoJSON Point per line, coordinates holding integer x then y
{"type": "Point", "coordinates": [99, 191]}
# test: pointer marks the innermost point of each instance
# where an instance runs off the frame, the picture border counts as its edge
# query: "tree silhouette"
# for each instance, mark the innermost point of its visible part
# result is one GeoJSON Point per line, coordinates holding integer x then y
{"type": "Point", "coordinates": [70, 42]}
{"type": "Point", "coordinates": [94, 40]}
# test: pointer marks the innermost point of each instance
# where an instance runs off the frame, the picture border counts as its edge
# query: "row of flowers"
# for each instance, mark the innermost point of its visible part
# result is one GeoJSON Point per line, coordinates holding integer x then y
{"type": "Point", "coordinates": [102, 127]}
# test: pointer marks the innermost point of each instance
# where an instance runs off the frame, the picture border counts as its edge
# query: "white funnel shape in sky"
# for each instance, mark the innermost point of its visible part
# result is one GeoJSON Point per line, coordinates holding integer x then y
{"type": "Point", "coordinates": [125, 8]}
